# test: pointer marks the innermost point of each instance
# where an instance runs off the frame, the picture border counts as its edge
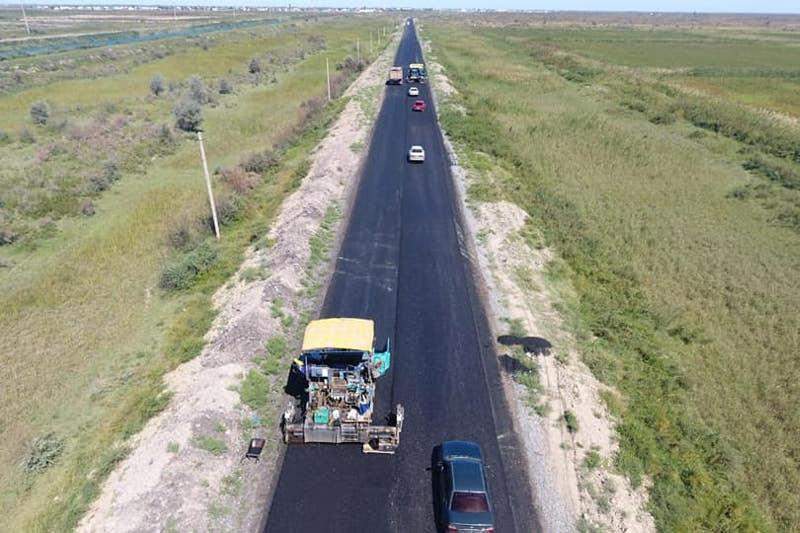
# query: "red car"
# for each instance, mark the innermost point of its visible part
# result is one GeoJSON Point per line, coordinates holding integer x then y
{"type": "Point", "coordinates": [419, 105]}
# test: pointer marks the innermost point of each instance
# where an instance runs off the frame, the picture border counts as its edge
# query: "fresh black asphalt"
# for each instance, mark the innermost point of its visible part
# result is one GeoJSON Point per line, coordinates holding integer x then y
{"type": "Point", "coordinates": [402, 263]}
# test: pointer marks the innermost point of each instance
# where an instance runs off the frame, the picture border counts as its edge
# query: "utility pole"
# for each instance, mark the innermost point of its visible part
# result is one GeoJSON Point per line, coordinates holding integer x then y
{"type": "Point", "coordinates": [208, 185]}
{"type": "Point", "coordinates": [25, 19]}
{"type": "Point", "coordinates": [328, 76]}
{"type": "Point", "coordinates": [174, 13]}
{"type": "Point", "coordinates": [370, 43]}
{"type": "Point", "coordinates": [358, 48]}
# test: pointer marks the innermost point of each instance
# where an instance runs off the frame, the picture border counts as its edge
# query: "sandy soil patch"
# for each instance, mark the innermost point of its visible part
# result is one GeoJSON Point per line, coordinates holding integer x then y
{"type": "Point", "coordinates": [185, 472]}
{"type": "Point", "coordinates": [574, 483]}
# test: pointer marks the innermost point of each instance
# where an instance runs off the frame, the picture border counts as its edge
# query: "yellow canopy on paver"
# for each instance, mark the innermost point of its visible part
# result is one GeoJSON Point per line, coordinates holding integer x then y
{"type": "Point", "coordinates": [341, 333]}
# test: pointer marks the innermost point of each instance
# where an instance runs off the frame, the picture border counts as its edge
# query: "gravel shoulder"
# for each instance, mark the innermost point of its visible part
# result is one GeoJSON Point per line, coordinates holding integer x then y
{"type": "Point", "coordinates": [574, 483]}
{"type": "Point", "coordinates": [185, 471]}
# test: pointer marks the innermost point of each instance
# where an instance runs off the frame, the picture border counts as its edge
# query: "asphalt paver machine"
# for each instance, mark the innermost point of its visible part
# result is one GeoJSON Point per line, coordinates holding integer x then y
{"type": "Point", "coordinates": [334, 378]}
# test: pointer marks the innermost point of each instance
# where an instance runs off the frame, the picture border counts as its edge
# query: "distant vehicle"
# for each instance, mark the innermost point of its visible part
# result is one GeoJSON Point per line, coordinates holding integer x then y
{"type": "Point", "coordinates": [419, 105]}
{"type": "Point", "coordinates": [395, 76]}
{"type": "Point", "coordinates": [413, 91]}
{"type": "Point", "coordinates": [416, 154]}
{"type": "Point", "coordinates": [462, 494]}
{"type": "Point", "coordinates": [417, 72]}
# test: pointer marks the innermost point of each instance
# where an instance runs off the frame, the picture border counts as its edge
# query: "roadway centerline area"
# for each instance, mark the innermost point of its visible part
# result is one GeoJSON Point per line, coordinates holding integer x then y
{"type": "Point", "coordinates": [401, 265]}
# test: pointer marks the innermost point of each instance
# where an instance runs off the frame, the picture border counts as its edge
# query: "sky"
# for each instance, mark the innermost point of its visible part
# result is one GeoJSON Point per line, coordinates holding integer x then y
{"type": "Point", "coordinates": [700, 6]}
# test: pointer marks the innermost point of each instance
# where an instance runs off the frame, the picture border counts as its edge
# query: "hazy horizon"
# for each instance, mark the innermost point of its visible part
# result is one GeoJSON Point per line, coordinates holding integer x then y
{"type": "Point", "coordinates": [775, 7]}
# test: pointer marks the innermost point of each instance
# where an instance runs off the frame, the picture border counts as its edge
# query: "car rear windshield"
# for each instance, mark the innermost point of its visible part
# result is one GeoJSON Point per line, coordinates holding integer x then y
{"type": "Point", "coordinates": [467, 502]}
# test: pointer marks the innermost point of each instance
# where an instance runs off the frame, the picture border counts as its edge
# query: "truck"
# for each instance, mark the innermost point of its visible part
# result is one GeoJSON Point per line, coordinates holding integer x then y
{"type": "Point", "coordinates": [395, 76]}
{"type": "Point", "coordinates": [417, 72]}
{"type": "Point", "coordinates": [333, 382]}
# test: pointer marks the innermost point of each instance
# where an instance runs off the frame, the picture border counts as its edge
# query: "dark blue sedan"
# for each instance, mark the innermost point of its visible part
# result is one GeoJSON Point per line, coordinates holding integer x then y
{"type": "Point", "coordinates": [462, 494]}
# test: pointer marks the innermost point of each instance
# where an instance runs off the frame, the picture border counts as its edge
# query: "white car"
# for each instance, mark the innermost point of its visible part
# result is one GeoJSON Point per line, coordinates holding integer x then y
{"type": "Point", "coordinates": [413, 91]}
{"type": "Point", "coordinates": [416, 154]}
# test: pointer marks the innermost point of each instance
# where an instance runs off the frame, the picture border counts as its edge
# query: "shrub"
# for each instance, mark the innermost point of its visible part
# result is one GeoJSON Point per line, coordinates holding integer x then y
{"type": "Point", "coordinates": [774, 170]}
{"type": "Point", "coordinates": [103, 180]}
{"type": "Point", "coordinates": [188, 114]}
{"type": "Point", "coordinates": [182, 273]}
{"type": "Point", "coordinates": [4, 137]}
{"type": "Point", "coordinates": [158, 85]}
{"type": "Point", "coordinates": [87, 208]}
{"type": "Point", "coordinates": [238, 179]}
{"type": "Point", "coordinates": [184, 235]}
{"type": "Point", "coordinates": [260, 162]}
{"type": "Point", "coordinates": [165, 138]}
{"type": "Point", "coordinates": [254, 67]}
{"type": "Point", "coordinates": [7, 236]}
{"type": "Point", "coordinates": [592, 459]}
{"type": "Point", "coordinates": [197, 90]}
{"type": "Point", "coordinates": [317, 42]}
{"type": "Point", "coordinates": [228, 206]}
{"type": "Point", "coordinates": [225, 87]}
{"type": "Point", "coordinates": [277, 347]}
{"type": "Point", "coordinates": [210, 444]}
{"type": "Point", "coordinates": [351, 64]}
{"type": "Point", "coordinates": [40, 112]}
{"type": "Point", "coordinates": [26, 136]}
{"type": "Point", "coordinates": [571, 421]}
{"type": "Point", "coordinates": [254, 390]}
{"type": "Point", "coordinates": [43, 453]}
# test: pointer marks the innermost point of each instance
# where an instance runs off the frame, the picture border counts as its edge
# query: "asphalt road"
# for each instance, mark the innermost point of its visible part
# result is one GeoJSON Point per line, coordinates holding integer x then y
{"type": "Point", "coordinates": [402, 264]}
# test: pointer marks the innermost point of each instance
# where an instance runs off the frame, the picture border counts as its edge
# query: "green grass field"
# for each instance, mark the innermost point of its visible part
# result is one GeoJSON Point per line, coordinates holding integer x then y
{"type": "Point", "coordinates": [753, 67]}
{"type": "Point", "coordinates": [673, 215]}
{"type": "Point", "coordinates": [85, 331]}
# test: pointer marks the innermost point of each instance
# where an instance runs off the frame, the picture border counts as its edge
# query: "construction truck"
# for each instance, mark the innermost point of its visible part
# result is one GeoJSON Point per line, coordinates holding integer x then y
{"type": "Point", "coordinates": [417, 73]}
{"type": "Point", "coordinates": [395, 76]}
{"type": "Point", "coordinates": [334, 381]}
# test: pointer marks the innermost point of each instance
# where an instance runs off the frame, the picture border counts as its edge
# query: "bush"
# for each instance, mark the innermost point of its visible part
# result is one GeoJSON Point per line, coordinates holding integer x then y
{"type": "Point", "coordinates": [197, 90]}
{"type": "Point", "coordinates": [40, 112]}
{"type": "Point", "coordinates": [225, 87]}
{"type": "Point", "coordinates": [188, 114]}
{"type": "Point", "coordinates": [8, 236]}
{"type": "Point", "coordinates": [185, 234]}
{"type": "Point", "coordinates": [210, 444]}
{"type": "Point", "coordinates": [43, 453]}
{"type": "Point", "coordinates": [774, 170]}
{"type": "Point", "coordinates": [163, 139]}
{"type": "Point", "coordinates": [571, 421]}
{"type": "Point", "coordinates": [351, 64]}
{"type": "Point", "coordinates": [592, 460]}
{"type": "Point", "coordinates": [158, 85]}
{"type": "Point", "coordinates": [182, 273]}
{"type": "Point", "coordinates": [87, 208]}
{"type": "Point", "coordinates": [102, 181]}
{"type": "Point", "coordinates": [254, 67]}
{"type": "Point", "coordinates": [26, 136]}
{"type": "Point", "coordinates": [239, 180]}
{"type": "Point", "coordinates": [254, 390]}
{"type": "Point", "coordinates": [317, 42]}
{"type": "Point", "coordinates": [4, 137]}
{"type": "Point", "coordinates": [228, 206]}
{"type": "Point", "coordinates": [277, 347]}
{"type": "Point", "coordinates": [260, 162]}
